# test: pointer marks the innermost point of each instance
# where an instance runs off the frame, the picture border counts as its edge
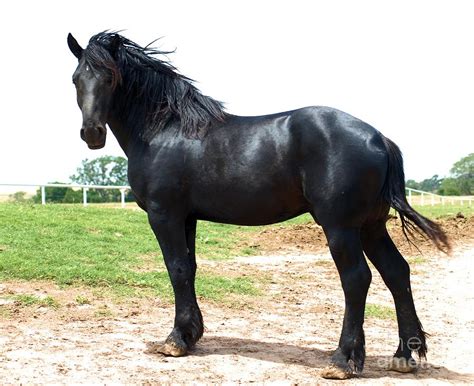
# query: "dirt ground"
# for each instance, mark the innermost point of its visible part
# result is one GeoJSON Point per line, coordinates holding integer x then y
{"type": "Point", "coordinates": [286, 335]}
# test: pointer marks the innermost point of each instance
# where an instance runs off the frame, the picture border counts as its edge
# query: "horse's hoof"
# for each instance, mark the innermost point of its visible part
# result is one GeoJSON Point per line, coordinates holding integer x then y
{"type": "Point", "coordinates": [169, 348]}
{"type": "Point", "coordinates": [335, 372]}
{"type": "Point", "coordinates": [403, 365]}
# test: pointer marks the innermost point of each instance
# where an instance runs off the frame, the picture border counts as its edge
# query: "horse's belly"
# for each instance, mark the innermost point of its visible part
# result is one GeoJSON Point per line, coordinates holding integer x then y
{"type": "Point", "coordinates": [250, 205]}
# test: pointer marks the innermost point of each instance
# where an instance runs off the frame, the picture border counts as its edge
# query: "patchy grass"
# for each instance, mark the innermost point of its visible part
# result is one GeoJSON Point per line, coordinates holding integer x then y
{"type": "Point", "coordinates": [448, 210]}
{"type": "Point", "coordinates": [115, 251]}
{"type": "Point", "coordinates": [379, 312]}
{"type": "Point", "coordinates": [103, 248]}
{"type": "Point", "coordinates": [26, 300]}
{"type": "Point", "coordinates": [439, 211]}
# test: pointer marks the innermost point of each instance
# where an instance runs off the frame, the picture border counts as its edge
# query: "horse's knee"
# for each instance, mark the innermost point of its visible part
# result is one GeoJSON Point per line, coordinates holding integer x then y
{"type": "Point", "coordinates": [181, 270]}
{"type": "Point", "coordinates": [356, 278]}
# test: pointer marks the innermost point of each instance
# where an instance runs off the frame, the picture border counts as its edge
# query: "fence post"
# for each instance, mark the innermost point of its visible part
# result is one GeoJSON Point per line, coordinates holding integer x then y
{"type": "Point", "coordinates": [122, 197]}
{"type": "Point", "coordinates": [84, 196]}
{"type": "Point", "coordinates": [43, 195]}
{"type": "Point", "coordinates": [409, 196]}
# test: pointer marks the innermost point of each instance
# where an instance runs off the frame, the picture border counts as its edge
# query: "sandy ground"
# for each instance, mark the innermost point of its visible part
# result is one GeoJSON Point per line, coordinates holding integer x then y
{"type": "Point", "coordinates": [285, 336]}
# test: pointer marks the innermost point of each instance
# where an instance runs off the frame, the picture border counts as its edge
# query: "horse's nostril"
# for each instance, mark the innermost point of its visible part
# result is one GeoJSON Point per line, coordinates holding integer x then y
{"type": "Point", "coordinates": [101, 130]}
{"type": "Point", "coordinates": [83, 134]}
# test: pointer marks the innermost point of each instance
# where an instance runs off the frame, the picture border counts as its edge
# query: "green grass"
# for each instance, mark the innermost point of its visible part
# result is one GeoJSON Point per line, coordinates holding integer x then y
{"type": "Point", "coordinates": [114, 250]}
{"type": "Point", "coordinates": [379, 312]}
{"type": "Point", "coordinates": [104, 248]}
{"type": "Point", "coordinates": [447, 210]}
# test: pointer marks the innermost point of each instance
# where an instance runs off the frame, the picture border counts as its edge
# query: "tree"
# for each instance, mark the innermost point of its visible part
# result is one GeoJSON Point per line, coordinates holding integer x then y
{"type": "Point", "coordinates": [53, 194]}
{"type": "Point", "coordinates": [412, 184]}
{"type": "Point", "coordinates": [463, 172]}
{"type": "Point", "coordinates": [431, 184]}
{"type": "Point", "coordinates": [460, 181]}
{"type": "Point", "coordinates": [105, 170]}
{"type": "Point", "coordinates": [449, 187]}
{"type": "Point", "coordinates": [72, 196]}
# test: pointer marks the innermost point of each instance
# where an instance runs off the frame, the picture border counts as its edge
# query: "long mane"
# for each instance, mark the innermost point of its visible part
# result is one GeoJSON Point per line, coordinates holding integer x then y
{"type": "Point", "coordinates": [150, 90]}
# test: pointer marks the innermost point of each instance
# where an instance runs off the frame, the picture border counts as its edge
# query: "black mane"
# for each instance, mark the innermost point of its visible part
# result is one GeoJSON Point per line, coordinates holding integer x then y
{"type": "Point", "coordinates": [152, 86]}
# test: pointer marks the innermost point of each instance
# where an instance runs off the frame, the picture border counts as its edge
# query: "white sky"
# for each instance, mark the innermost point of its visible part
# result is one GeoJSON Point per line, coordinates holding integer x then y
{"type": "Point", "coordinates": [405, 67]}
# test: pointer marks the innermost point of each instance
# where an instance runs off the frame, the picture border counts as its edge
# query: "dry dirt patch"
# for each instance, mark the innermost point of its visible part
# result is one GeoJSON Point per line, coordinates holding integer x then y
{"type": "Point", "coordinates": [310, 238]}
{"type": "Point", "coordinates": [286, 335]}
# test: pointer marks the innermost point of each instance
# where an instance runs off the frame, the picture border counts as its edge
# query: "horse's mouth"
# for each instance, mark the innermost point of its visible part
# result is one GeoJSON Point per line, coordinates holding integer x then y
{"type": "Point", "coordinates": [96, 147]}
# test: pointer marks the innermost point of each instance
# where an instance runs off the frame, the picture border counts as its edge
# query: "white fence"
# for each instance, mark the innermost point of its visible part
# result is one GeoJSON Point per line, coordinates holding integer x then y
{"type": "Point", "coordinates": [85, 189]}
{"type": "Point", "coordinates": [419, 197]}
{"type": "Point", "coordinates": [415, 197]}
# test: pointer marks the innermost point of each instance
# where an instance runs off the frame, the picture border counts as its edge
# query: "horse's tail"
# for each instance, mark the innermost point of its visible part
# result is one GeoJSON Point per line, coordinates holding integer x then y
{"type": "Point", "coordinates": [394, 194]}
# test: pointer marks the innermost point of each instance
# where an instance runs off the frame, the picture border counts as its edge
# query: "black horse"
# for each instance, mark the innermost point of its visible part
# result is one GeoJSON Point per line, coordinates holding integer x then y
{"type": "Point", "coordinates": [189, 160]}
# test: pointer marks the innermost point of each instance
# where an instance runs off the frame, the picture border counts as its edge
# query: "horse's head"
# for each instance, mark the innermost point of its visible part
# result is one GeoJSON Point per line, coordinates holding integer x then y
{"type": "Point", "coordinates": [95, 79]}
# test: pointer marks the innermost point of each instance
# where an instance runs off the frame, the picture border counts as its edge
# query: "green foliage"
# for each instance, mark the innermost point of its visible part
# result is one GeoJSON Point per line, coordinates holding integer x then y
{"type": "Point", "coordinates": [58, 195]}
{"type": "Point", "coordinates": [460, 182]}
{"type": "Point", "coordinates": [464, 167]}
{"type": "Point", "coordinates": [19, 197]}
{"type": "Point", "coordinates": [428, 185]}
{"type": "Point", "coordinates": [412, 184]}
{"type": "Point", "coordinates": [449, 187]}
{"type": "Point", "coordinates": [105, 170]}
{"type": "Point", "coordinates": [72, 196]}
{"type": "Point", "coordinates": [463, 171]}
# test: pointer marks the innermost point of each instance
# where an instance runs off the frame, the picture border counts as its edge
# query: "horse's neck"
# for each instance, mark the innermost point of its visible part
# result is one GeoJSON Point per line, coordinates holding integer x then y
{"type": "Point", "coordinates": [125, 135]}
{"type": "Point", "coordinates": [127, 125]}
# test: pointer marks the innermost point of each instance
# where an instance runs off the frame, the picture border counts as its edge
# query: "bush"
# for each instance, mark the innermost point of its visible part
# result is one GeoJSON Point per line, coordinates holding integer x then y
{"type": "Point", "coordinates": [19, 197]}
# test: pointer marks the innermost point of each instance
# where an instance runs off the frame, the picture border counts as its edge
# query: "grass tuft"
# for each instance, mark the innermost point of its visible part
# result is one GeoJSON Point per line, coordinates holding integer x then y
{"type": "Point", "coordinates": [379, 312]}
{"type": "Point", "coordinates": [82, 300]}
{"type": "Point", "coordinates": [26, 300]}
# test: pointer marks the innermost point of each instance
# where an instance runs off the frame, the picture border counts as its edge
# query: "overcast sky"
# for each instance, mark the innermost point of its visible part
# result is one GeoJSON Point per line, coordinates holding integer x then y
{"type": "Point", "coordinates": [405, 67]}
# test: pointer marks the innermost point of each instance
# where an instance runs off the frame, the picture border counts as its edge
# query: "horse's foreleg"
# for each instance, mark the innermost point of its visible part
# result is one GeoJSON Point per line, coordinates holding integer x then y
{"type": "Point", "coordinates": [176, 239]}
{"type": "Point", "coordinates": [395, 272]}
{"type": "Point", "coordinates": [346, 250]}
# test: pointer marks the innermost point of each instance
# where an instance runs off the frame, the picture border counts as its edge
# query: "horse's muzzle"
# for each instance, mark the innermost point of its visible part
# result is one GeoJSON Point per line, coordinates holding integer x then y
{"type": "Point", "coordinates": [94, 136]}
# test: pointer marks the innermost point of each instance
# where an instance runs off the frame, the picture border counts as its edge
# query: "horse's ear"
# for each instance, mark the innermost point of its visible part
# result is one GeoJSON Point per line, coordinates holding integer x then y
{"type": "Point", "coordinates": [74, 46]}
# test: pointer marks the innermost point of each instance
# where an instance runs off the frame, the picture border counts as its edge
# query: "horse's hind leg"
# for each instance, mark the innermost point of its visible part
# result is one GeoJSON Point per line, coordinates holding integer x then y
{"type": "Point", "coordinates": [395, 272]}
{"type": "Point", "coordinates": [346, 250]}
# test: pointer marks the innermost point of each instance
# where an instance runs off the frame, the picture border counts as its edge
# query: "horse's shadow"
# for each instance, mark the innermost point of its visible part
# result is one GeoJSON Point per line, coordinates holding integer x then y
{"type": "Point", "coordinates": [375, 366]}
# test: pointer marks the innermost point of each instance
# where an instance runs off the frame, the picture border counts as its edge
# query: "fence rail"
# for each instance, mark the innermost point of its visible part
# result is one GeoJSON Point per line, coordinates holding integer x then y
{"type": "Point", "coordinates": [85, 188]}
{"type": "Point", "coordinates": [414, 196]}
{"type": "Point", "coordinates": [419, 197]}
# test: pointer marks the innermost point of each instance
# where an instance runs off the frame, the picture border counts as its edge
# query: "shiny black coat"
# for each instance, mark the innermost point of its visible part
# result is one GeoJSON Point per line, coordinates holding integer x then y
{"type": "Point", "coordinates": [189, 160]}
